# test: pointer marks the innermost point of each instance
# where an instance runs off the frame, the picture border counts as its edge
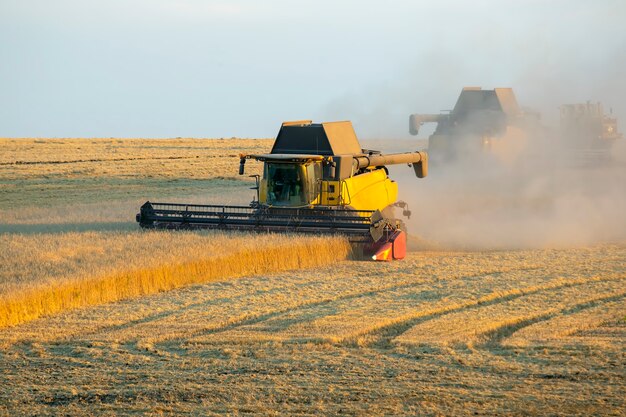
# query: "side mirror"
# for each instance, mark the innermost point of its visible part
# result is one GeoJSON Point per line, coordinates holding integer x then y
{"type": "Point", "coordinates": [242, 164]}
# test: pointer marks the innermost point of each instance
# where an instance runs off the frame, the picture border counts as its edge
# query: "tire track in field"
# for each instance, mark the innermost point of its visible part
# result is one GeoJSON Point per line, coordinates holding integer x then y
{"type": "Point", "coordinates": [382, 335]}
{"type": "Point", "coordinates": [246, 320]}
{"type": "Point", "coordinates": [303, 323]}
{"type": "Point", "coordinates": [129, 315]}
{"type": "Point", "coordinates": [327, 321]}
{"type": "Point", "coordinates": [138, 344]}
{"type": "Point", "coordinates": [565, 326]}
{"type": "Point", "coordinates": [229, 302]}
{"type": "Point", "coordinates": [474, 327]}
{"type": "Point", "coordinates": [494, 338]}
{"type": "Point", "coordinates": [306, 296]}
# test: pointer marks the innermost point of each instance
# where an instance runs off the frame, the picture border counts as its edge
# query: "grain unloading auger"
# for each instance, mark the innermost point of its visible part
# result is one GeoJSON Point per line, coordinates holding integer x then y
{"type": "Point", "coordinates": [316, 179]}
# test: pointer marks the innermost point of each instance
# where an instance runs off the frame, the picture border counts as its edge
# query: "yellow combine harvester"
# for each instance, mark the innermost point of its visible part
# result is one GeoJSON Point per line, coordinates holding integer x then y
{"type": "Point", "coordinates": [316, 179]}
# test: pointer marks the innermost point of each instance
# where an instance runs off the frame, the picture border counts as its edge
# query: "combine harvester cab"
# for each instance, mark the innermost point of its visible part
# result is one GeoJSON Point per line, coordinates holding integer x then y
{"type": "Point", "coordinates": [316, 179]}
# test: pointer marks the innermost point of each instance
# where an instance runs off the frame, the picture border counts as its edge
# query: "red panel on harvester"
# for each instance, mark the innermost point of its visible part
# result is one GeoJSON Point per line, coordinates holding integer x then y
{"type": "Point", "coordinates": [399, 244]}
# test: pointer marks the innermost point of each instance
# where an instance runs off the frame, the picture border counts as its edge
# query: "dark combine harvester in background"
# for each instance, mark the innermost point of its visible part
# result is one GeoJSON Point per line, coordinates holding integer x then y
{"type": "Point", "coordinates": [492, 122]}
{"type": "Point", "coordinates": [482, 121]}
{"type": "Point", "coordinates": [316, 179]}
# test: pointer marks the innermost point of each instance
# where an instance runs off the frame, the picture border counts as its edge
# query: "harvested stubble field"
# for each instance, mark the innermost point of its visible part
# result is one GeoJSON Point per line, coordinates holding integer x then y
{"type": "Point", "coordinates": [524, 332]}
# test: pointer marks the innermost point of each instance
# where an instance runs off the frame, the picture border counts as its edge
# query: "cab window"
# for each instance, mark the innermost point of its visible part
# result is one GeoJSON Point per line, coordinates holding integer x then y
{"type": "Point", "coordinates": [284, 184]}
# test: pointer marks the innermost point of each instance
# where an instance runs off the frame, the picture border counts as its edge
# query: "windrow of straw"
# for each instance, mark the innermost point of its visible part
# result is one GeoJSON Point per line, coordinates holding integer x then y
{"type": "Point", "coordinates": [33, 302]}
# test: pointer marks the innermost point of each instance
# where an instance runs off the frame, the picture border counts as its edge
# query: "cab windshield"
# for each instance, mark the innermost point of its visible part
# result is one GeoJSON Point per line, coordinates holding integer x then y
{"type": "Point", "coordinates": [285, 185]}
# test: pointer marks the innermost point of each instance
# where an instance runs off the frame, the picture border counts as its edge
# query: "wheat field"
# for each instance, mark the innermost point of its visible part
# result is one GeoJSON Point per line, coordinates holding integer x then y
{"type": "Point", "coordinates": [52, 185]}
{"type": "Point", "coordinates": [72, 270]}
{"type": "Point", "coordinates": [444, 332]}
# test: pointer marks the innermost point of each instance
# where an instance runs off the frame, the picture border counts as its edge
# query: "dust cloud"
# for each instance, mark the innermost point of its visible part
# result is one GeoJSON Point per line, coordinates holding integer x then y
{"type": "Point", "coordinates": [545, 197]}
{"type": "Point", "coordinates": [533, 192]}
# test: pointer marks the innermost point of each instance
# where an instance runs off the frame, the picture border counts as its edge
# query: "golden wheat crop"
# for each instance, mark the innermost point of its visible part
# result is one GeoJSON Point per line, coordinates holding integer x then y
{"type": "Point", "coordinates": [44, 275]}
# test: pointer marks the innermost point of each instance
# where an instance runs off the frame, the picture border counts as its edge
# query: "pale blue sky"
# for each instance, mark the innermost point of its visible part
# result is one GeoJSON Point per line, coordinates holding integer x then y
{"type": "Point", "coordinates": [166, 68]}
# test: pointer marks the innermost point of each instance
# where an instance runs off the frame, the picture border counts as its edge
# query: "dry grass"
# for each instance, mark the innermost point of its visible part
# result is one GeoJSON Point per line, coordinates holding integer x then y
{"type": "Point", "coordinates": [74, 270]}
